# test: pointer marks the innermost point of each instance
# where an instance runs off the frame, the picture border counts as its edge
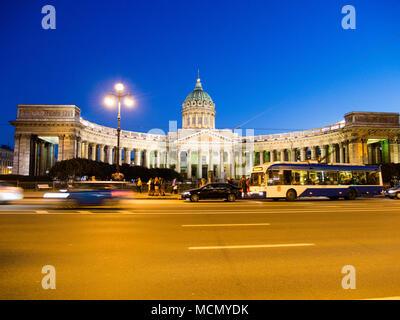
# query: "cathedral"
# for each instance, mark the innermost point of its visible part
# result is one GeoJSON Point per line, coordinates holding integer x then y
{"type": "Point", "coordinates": [45, 134]}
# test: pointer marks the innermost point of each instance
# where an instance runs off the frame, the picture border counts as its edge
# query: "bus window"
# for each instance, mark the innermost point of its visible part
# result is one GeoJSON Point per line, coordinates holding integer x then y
{"type": "Point", "coordinates": [274, 178]}
{"type": "Point", "coordinates": [359, 177]}
{"type": "Point", "coordinates": [331, 177]}
{"type": "Point", "coordinates": [373, 178]}
{"type": "Point", "coordinates": [345, 177]}
{"type": "Point", "coordinates": [299, 177]}
{"type": "Point", "coordinates": [257, 179]}
{"type": "Point", "coordinates": [287, 177]}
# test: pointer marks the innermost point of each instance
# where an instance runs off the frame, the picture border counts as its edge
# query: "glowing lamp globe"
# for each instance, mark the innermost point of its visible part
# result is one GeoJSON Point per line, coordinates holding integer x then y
{"type": "Point", "coordinates": [119, 87]}
{"type": "Point", "coordinates": [129, 102]}
{"type": "Point", "coordinates": [109, 101]}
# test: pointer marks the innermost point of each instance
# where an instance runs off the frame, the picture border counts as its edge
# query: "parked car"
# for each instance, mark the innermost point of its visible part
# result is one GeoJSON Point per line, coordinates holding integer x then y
{"type": "Point", "coordinates": [9, 193]}
{"type": "Point", "coordinates": [213, 191]}
{"type": "Point", "coordinates": [393, 193]}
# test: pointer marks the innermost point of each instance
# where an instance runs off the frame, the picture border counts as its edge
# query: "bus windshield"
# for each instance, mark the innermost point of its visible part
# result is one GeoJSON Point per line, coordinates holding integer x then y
{"type": "Point", "coordinates": [257, 179]}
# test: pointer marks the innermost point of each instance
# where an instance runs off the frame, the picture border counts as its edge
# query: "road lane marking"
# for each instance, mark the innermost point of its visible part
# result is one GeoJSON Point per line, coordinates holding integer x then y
{"type": "Point", "coordinates": [282, 245]}
{"type": "Point", "coordinates": [41, 211]}
{"type": "Point", "coordinates": [226, 225]}
{"type": "Point", "coordinates": [385, 298]}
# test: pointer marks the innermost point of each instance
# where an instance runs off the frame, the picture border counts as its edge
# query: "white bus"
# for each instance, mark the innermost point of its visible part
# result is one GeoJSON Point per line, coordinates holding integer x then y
{"type": "Point", "coordinates": [292, 180]}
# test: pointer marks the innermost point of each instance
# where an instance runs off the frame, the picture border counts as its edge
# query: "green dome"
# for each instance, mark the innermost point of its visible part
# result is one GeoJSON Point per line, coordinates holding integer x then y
{"type": "Point", "coordinates": [198, 94]}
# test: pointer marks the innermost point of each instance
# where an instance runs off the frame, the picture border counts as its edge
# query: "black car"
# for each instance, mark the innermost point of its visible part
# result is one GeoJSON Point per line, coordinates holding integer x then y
{"type": "Point", "coordinates": [213, 191]}
{"type": "Point", "coordinates": [393, 193]}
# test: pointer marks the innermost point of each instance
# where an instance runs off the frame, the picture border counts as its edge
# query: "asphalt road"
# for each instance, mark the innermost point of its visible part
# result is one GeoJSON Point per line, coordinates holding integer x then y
{"type": "Point", "coordinates": [170, 249]}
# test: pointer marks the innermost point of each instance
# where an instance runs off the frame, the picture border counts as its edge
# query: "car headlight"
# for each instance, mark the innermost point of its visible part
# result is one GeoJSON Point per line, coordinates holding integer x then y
{"type": "Point", "coordinates": [391, 191]}
{"type": "Point", "coordinates": [186, 193]}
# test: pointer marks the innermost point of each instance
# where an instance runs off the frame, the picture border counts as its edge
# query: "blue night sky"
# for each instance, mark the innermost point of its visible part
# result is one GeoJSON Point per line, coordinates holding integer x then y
{"type": "Point", "coordinates": [289, 59]}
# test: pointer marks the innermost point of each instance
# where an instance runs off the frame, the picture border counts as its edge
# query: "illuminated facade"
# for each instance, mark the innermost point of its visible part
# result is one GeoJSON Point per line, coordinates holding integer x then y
{"type": "Point", "coordinates": [6, 159]}
{"type": "Point", "coordinates": [48, 133]}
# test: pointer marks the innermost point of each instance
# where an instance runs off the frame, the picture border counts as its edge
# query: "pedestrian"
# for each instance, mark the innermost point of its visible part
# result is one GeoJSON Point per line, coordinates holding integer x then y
{"type": "Point", "coordinates": [247, 185]}
{"type": "Point", "coordinates": [243, 187]}
{"type": "Point", "coordinates": [174, 186]}
{"type": "Point", "coordinates": [162, 186]}
{"type": "Point", "coordinates": [157, 186]}
{"type": "Point", "coordinates": [150, 185]}
{"type": "Point", "coordinates": [139, 185]}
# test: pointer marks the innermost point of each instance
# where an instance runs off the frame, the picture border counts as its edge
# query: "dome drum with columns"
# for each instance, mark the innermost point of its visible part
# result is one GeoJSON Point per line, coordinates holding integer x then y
{"type": "Point", "coordinates": [198, 109]}
{"type": "Point", "coordinates": [48, 133]}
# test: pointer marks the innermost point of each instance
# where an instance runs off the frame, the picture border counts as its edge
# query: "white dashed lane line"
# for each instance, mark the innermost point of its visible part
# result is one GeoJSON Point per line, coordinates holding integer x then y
{"type": "Point", "coordinates": [225, 225]}
{"type": "Point", "coordinates": [282, 245]}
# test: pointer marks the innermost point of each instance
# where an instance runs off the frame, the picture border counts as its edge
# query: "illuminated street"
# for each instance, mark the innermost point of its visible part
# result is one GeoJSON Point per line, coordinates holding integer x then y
{"type": "Point", "coordinates": [170, 249]}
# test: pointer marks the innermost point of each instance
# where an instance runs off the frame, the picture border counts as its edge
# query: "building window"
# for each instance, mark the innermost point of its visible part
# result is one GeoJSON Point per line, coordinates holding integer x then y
{"type": "Point", "coordinates": [193, 120]}
{"type": "Point", "coordinates": [199, 120]}
{"type": "Point", "coordinates": [205, 120]}
{"type": "Point", "coordinates": [188, 121]}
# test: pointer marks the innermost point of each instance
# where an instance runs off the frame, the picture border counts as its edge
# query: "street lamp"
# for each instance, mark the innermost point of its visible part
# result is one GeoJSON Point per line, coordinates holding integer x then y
{"type": "Point", "coordinates": [109, 100]}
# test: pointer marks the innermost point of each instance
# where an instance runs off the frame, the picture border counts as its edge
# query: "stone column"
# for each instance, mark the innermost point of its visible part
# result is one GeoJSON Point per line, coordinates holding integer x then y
{"type": "Point", "coordinates": [67, 147]}
{"type": "Point", "coordinates": [221, 164]}
{"type": "Point", "coordinates": [358, 151]}
{"type": "Point", "coordinates": [101, 157]}
{"type": "Point", "coordinates": [210, 161]}
{"type": "Point", "coordinates": [178, 161]}
{"type": "Point", "coordinates": [333, 153]}
{"type": "Point", "coordinates": [158, 159]}
{"type": "Point", "coordinates": [51, 155]}
{"type": "Point", "coordinates": [313, 153]}
{"type": "Point", "coordinates": [136, 157]}
{"type": "Point", "coordinates": [86, 150]}
{"type": "Point", "coordinates": [302, 154]}
{"type": "Point", "coordinates": [42, 158]}
{"type": "Point", "coordinates": [128, 156]}
{"type": "Point", "coordinates": [341, 152]}
{"type": "Point", "coordinates": [261, 155]}
{"type": "Point", "coordinates": [109, 155]}
{"type": "Point", "coordinates": [79, 148]}
{"type": "Point", "coordinates": [232, 165]}
{"type": "Point", "coordinates": [394, 151]}
{"type": "Point", "coordinates": [282, 156]}
{"type": "Point", "coordinates": [189, 164]}
{"type": "Point", "coordinates": [272, 155]}
{"type": "Point", "coordinates": [199, 165]}
{"type": "Point", "coordinates": [146, 160]}
{"type": "Point", "coordinates": [93, 152]}
{"type": "Point", "coordinates": [323, 154]}
{"type": "Point", "coordinates": [249, 166]}
{"type": "Point", "coordinates": [293, 155]}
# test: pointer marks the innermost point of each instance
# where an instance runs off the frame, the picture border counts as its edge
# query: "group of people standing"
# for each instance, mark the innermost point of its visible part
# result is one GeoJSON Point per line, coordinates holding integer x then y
{"type": "Point", "coordinates": [156, 186]}
{"type": "Point", "coordinates": [244, 185]}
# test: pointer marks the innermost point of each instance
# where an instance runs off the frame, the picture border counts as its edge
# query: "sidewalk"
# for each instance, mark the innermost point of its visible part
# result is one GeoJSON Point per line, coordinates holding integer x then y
{"type": "Point", "coordinates": [39, 194]}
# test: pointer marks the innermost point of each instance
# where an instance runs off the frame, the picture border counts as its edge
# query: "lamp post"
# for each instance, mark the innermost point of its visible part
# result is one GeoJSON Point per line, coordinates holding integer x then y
{"type": "Point", "coordinates": [109, 100]}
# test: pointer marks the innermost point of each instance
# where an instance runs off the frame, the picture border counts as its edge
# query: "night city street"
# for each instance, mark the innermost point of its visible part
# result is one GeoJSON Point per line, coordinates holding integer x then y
{"type": "Point", "coordinates": [211, 159]}
{"type": "Point", "coordinates": [171, 249]}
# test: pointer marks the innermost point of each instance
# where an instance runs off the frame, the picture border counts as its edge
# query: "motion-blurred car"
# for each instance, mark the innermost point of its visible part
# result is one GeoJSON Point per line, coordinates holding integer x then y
{"type": "Point", "coordinates": [213, 191]}
{"type": "Point", "coordinates": [393, 193]}
{"type": "Point", "coordinates": [9, 193]}
{"type": "Point", "coordinates": [90, 194]}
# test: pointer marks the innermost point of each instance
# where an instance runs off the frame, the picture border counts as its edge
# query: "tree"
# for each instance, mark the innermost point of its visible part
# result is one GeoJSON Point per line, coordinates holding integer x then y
{"type": "Point", "coordinates": [69, 169]}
